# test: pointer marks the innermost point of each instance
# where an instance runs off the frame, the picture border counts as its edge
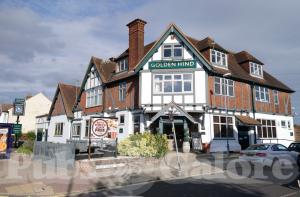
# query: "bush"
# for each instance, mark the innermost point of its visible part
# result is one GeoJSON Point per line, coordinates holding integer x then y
{"type": "Point", "coordinates": [144, 145]}
{"type": "Point", "coordinates": [31, 135]}
{"type": "Point", "coordinates": [26, 148]}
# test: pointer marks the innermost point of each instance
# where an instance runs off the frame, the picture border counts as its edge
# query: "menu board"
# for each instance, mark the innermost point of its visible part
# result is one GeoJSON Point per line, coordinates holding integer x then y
{"type": "Point", "coordinates": [3, 139]}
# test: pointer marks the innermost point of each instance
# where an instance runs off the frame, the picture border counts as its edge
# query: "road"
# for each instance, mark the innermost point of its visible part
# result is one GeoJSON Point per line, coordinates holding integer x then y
{"type": "Point", "coordinates": [227, 183]}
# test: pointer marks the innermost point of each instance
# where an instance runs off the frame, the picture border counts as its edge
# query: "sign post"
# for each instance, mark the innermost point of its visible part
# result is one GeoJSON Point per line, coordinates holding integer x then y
{"type": "Point", "coordinates": [19, 110]}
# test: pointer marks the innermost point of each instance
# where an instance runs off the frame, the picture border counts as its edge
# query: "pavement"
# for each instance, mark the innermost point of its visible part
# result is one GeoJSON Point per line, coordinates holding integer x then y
{"type": "Point", "coordinates": [22, 176]}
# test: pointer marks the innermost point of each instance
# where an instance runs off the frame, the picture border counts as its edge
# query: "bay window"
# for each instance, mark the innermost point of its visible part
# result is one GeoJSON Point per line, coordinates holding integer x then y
{"type": "Point", "coordinates": [262, 94]}
{"type": "Point", "coordinates": [224, 86]}
{"type": "Point", "coordinates": [93, 90]}
{"type": "Point", "coordinates": [172, 83]}
{"type": "Point", "coordinates": [218, 58]}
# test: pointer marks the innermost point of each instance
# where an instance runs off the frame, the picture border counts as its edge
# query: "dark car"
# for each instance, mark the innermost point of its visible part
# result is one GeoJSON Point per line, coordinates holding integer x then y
{"type": "Point", "coordinates": [294, 146]}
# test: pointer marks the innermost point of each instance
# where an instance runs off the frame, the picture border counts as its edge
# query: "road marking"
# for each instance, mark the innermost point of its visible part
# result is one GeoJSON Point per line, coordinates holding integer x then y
{"type": "Point", "coordinates": [290, 194]}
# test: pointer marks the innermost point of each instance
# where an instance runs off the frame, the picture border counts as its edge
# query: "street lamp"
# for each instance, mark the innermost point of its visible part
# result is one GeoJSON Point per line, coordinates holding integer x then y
{"type": "Point", "coordinates": [226, 110]}
{"type": "Point", "coordinates": [171, 118]}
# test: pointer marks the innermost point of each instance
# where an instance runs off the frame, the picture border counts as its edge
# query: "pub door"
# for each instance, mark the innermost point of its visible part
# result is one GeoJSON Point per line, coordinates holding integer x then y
{"type": "Point", "coordinates": [243, 134]}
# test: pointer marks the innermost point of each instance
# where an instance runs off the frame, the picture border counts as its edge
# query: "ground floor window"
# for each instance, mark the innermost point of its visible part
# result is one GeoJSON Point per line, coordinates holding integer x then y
{"type": "Point", "coordinates": [220, 127]}
{"type": "Point", "coordinates": [267, 129]}
{"type": "Point", "coordinates": [136, 123]}
{"type": "Point", "coordinates": [59, 129]}
{"type": "Point", "coordinates": [76, 130]}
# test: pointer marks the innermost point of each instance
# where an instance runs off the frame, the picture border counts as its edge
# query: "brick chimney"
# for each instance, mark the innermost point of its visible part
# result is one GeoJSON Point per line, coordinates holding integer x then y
{"type": "Point", "coordinates": [136, 41]}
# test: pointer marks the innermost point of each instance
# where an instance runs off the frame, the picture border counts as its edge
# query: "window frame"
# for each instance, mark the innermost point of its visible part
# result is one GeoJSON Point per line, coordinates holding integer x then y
{"type": "Point", "coordinates": [185, 78]}
{"type": "Point", "coordinates": [76, 125]}
{"type": "Point", "coordinates": [122, 116]}
{"type": "Point", "coordinates": [283, 125]}
{"type": "Point", "coordinates": [123, 65]}
{"type": "Point", "coordinates": [259, 91]}
{"type": "Point", "coordinates": [122, 91]}
{"type": "Point", "coordinates": [173, 46]}
{"type": "Point", "coordinates": [224, 83]}
{"type": "Point", "coordinates": [214, 54]}
{"type": "Point", "coordinates": [256, 70]}
{"type": "Point", "coordinates": [221, 124]}
{"type": "Point", "coordinates": [59, 129]}
{"type": "Point", "coordinates": [265, 128]}
{"type": "Point", "coordinates": [276, 97]}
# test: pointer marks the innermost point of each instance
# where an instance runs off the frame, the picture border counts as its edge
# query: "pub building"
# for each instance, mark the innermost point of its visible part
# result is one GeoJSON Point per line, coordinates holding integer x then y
{"type": "Point", "coordinates": [223, 96]}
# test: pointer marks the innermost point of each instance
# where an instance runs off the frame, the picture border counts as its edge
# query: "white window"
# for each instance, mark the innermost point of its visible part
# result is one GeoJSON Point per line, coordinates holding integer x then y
{"type": "Point", "coordinates": [262, 94]}
{"type": "Point", "coordinates": [76, 130]}
{"type": "Point", "coordinates": [123, 65]}
{"type": "Point", "coordinates": [122, 91]}
{"type": "Point", "coordinates": [218, 58]}
{"type": "Point", "coordinates": [220, 130]}
{"type": "Point", "coordinates": [283, 124]}
{"type": "Point", "coordinates": [256, 69]}
{"type": "Point", "coordinates": [267, 129]}
{"type": "Point", "coordinates": [59, 129]}
{"type": "Point", "coordinates": [172, 51]}
{"type": "Point", "coordinates": [94, 97]}
{"type": "Point", "coordinates": [276, 99]}
{"type": "Point", "coordinates": [173, 83]}
{"type": "Point", "coordinates": [93, 90]}
{"type": "Point", "coordinates": [224, 86]}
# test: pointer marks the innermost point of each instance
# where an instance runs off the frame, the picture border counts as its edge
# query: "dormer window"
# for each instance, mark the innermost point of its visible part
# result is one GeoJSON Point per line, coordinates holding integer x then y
{"type": "Point", "coordinates": [123, 65]}
{"type": "Point", "coordinates": [172, 51]}
{"type": "Point", "coordinates": [218, 58]}
{"type": "Point", "coordinates": [256, 69]}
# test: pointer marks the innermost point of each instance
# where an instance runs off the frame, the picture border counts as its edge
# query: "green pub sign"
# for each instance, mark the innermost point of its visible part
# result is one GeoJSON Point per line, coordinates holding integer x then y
{"type": "Point", "coordinates": [17, 128]}
{"type": "Point", "coordinates": [172, 64]}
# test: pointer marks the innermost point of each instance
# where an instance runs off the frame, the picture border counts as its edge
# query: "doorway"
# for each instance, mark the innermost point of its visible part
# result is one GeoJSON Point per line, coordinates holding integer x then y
{"type": "Point", "coordinates": [179, 130]}
{"type": "Point", "coordinates": [243, 134]}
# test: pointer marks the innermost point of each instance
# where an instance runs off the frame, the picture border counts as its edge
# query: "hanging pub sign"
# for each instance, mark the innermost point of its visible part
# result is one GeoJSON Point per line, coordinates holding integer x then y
{"type": "Point", "coordinates": [19, 107]}
{"type": "Point", "coordinates": [172, 64]}
{"type": "Point", "coordinates": [103, 127]}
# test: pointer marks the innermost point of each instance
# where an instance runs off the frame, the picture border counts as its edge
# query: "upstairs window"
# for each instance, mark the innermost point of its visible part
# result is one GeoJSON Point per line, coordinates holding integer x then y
{"type": "Point", "coordinates": [173, 83]}
{"type": "Point", "coordinates": [256, 69]}
{"type": "Point", "coordinates": [122, 91]}
{"type": "Point", "coordinates": [123, 65]}
{"type": "Point", "coordinates": [172, 51]}
{"type": "Point", "coordinates": [93, 90]}
{"type": "Point", "coordinates": [218, 58]}
{"type": "Point", "coordinates": [262, 94]}
{"type": "Point", "coordinates": [276, 99]}
{"type": "Point", "coordinates": [224, 86]}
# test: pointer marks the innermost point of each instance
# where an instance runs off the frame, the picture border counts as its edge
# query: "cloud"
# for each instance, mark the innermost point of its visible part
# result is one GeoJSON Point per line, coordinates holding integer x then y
{"type": "Point", "coordinates": [46, 42]}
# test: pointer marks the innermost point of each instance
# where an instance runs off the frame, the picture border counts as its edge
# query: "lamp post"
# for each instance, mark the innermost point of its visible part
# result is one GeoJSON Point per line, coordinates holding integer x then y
{"type": "Point", "coordinates": [171, 118]}
{"type": "Point", "coordinates": [226, 110]}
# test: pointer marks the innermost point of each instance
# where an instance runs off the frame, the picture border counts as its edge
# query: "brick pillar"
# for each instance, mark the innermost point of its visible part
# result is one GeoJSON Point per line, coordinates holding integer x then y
{"type": "Point", "coordinates": [136, 42]}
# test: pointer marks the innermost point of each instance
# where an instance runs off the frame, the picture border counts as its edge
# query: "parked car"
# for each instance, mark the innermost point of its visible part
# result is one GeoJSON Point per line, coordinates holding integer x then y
{"type": "Point", "coordinates": [294, 146]}
{"type": "Point", "coordinates": [269, 154]}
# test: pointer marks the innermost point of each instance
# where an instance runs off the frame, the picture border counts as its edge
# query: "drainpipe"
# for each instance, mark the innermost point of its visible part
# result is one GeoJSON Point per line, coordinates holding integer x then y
{"type": "Point", "coordinates": [253, 109]}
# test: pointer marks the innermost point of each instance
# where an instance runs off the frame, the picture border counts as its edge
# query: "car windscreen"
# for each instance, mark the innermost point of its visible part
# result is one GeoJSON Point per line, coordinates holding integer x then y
{"type": "Point", "coordinates": [258, 147]}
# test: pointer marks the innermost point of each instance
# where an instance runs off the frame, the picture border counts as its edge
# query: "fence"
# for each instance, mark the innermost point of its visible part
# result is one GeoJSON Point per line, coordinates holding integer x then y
{"type": "Point", "coordinates": [62, 155]}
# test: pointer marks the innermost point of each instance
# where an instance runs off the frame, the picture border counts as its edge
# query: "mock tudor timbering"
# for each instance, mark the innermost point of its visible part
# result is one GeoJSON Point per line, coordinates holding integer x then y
{"type": "Point", "coordinates": [215, 83]}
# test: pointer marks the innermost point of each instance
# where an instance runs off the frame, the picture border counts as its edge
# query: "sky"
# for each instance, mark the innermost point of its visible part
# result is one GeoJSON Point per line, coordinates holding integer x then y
{"type": "Point", "coordinates": [44, 42]}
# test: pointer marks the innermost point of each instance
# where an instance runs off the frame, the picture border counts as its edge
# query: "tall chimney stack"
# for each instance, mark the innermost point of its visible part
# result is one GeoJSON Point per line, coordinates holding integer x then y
{"type": "Point", "coordinates": [136, 41]}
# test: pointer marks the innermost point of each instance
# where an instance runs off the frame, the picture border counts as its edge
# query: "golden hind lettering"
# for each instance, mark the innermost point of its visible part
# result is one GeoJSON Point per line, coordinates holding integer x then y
{"type": "Point", "coordinates": [177, 64]}
{"type": "Point", "coordinates": [3, 145]}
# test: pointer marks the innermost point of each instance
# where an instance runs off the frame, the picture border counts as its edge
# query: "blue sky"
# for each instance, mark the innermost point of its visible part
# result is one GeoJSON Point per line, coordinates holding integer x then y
{"type": "Point", "coordinates": [44, 42]}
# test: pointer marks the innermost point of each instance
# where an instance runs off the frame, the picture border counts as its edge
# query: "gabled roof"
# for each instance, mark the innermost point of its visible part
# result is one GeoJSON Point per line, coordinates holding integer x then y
{"type": "Point", "coordinates": [244, 56]}
{"type": "Point", "coordinates": [107, 72]}
{"type": "Point", "coordinates": [68, 93]}
{"type": "Point", "coordinates": [178, 112]}
{"type": "Point", "coordinates": [5, 107]}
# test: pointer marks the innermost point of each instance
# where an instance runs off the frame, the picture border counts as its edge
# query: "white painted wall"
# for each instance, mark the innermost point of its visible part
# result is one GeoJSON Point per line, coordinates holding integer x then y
{"type": "Point", "coordinates": [66, 129]}
{"type": "Point", "coordinates": [199, 83]}
{"type": "Point", "coordinates": [4, 117]}
{"type": "Point", "coordinates": [35, 106]}
{"type": "Point", "coordinates": [127, 126]}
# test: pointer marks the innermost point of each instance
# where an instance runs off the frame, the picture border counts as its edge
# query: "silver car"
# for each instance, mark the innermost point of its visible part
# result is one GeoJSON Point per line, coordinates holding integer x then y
{"type": "Point", "coordinates": [269, 154]}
